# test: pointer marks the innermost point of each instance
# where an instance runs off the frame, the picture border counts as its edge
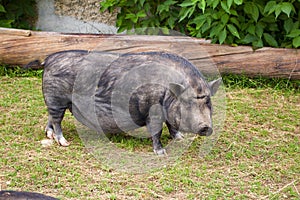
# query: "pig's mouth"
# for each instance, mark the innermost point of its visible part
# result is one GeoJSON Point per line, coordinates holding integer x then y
{"type": "Point", "coordinates": [205, 131]}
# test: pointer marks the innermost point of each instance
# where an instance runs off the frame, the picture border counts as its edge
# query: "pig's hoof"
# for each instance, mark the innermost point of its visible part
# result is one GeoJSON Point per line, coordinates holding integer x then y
{"type": "Point", "coordinates": [178, 136]}
{"type": "Point", "coordinates": [160, 152]}
{"type": "Point", "coordinates": [50, 133]}
{"type": "Point", "coordinates": [62, 141]}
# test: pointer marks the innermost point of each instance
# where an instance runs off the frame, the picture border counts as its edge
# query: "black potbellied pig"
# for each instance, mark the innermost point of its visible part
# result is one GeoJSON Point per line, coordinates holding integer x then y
{"type": "Point", "coordinates": [19, 195]}
{"type": "Point", "coordinates": [130, 91]}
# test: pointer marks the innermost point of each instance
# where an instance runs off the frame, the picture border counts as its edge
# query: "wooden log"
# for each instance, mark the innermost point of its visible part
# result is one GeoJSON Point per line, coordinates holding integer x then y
{"type": "Point", "coordinates": [19, 47]}
{"type": "Point", "coordinates": [19, 32]}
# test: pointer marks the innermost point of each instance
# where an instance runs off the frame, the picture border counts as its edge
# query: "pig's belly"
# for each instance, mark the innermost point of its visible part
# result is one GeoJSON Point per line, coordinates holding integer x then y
{"type": "Point", "coordinates": [117, 120]}
{"type": "Point", "coordinates": [102, 117]}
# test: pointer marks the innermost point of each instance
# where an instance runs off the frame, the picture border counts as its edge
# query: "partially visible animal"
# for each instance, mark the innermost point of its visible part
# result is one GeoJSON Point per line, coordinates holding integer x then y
{"type": "Point", "coordinates": [20, 195]}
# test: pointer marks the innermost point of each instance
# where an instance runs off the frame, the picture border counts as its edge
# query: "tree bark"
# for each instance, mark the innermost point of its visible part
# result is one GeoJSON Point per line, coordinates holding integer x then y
{"type": "Point", "coordinates": [19, 47]}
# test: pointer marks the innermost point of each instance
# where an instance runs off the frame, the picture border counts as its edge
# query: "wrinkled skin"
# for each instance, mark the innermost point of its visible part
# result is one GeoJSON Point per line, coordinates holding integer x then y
{"type": "Point", "coordinates": [131, 90]}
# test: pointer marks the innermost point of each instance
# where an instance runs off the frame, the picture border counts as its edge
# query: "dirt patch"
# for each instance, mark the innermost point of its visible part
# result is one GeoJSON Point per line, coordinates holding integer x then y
{"type": "Point", "coordinates": [85, 10]}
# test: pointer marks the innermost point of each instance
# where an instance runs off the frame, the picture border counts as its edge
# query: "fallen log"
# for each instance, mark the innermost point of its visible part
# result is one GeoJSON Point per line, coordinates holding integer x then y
{"type": "Point", "coordinates": [19, 47]}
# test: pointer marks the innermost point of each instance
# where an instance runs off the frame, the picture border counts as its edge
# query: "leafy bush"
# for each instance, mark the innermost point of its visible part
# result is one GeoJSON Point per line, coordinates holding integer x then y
{"type": "Point", "coordinates": [17, 13]}
{"type": "Point", "coordinates": [258, 23]}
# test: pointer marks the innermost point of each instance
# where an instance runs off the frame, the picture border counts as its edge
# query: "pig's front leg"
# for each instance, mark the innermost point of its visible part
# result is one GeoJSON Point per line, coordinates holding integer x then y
{"type": "Point", "coordinates": [175, 134]}
{"type": "Point", "coordinates": [157, 145]}
{"type": "Point", "coordinates": [156, 130]}
{"type": "Point", "coordinates": [154, 126]}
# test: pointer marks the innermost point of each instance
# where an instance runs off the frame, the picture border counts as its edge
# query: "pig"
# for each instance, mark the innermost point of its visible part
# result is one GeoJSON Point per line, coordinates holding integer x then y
{"type": "Point", "coordinates": [128, 91]}
{"type": "Point", "coordinates": [20, 195]}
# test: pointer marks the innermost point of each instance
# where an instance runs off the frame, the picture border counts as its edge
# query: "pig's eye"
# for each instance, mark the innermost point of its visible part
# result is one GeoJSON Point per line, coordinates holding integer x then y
{"type": "Point", "coordinates": [201, 97]}
{"type": "Point", "coordinates": [204, 97]}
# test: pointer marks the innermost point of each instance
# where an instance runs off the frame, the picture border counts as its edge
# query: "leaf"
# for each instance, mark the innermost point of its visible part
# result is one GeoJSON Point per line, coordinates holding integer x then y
{"type": "Point", "coordinates": [277, 11]}
{"type": "Point", "coordinates": [202, 5]}
{"type": "Point", "coordinates": [129, 16]}
{"type": "Point", "coordinates": [209, 2]}
{"type": "Point", "coordinates": [132, 17]}
{"type": "Point", "coordinates": [296, 42]}
{"type": "Point", "coordinates": [215, 3]}
{"type": "Point", "coordinates": [233, 30]}
{"type": "Point", "coordinates": [233, 12]}
{"type": "Point", "coordinates": [235, 21]}
{"type": "Point", "coordinates": [165, 31]}
{"type": "Point", "coordinates": [224, 6]}
{"type": "Point", "coordinates": [270, 7]}
{"type": "Point", "coordinates": [258, 44]}
{"type": "Point", "coordinates": [229, 3]}
{"type": "Point", "coordinates": [199, 35]}
{"type": "Point", "coordinates": [161, 8]}
{"type": "Point", "coordinates": [225, 19]}
{"type": "Point", "coordinates": [6, 23]}
{"type": "Point", "coordinates": [288, 25]}
{"type": "Point", "coordinates": [297, 23]}
{"type": "Point", "coordinates": [187, 3]}
{"type": "Point", "coordinates": [251, 29]}
{"type": "Point", "coordinates": [192, 10]}
{"type": "Point", "coordinates": [249, 39]}
{"type": "Point", "coordinates": [120, 20]}
{"type": "Point", "coordinates": [205, 27]}
{"type": "Point", "coordinates": [141, 14]}
{"type": "Point", "coordinates": [294, 33]}
{"type": "Point", "coordinates": [286, 7]}
{"type": "Point", "coordinates": [259, 29]}
{"type": "Point", "coordinates": [170, 2]}
{"type": "Point", "coordinates": [238, 2]}
{"type": "Point", "coordinates": [171, 22]}
{"type": "Point", "coordinates": [252, 9]}
{"type": "Point", "coordinates": [183, 13]}
{"type": "Point", "coordinates": [216, 30]}
{"type": "Point", "coordinates": [222, 36]}
{"type": "Point", "coordinates": [186, 12]}
{"type": "Point", "coordinates": [164, 6]}
{"type": "Point", "coordinates": [270, 40]}
{"type": "Point", "coordinates": [142, 2]}
{"type": "Point", "coordinates": [270, 19]}
{"type": "Point", "coordinates": [199, 21]}
{"type": "Point", "coordinates": [2, 9]}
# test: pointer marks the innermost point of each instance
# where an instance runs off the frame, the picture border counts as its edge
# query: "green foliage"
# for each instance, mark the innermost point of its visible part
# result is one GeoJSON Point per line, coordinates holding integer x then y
{"type": "Point", "coordinates": [258, 23]}
{"type": "Point", "coordinates": [9, 71]}
{"type": "Point", "coordinates": [17, 13]}
{"type": "Point", "coordinates": [239, 81]}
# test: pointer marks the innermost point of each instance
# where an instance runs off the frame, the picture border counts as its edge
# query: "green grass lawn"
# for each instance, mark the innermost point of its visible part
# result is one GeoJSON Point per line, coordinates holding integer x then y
{"type": "Point", "coordinates": [257, 156]}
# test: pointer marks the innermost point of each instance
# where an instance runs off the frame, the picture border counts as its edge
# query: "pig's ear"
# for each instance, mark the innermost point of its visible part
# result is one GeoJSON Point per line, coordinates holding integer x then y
{"type": "Point", "coordinates": [176, 89]}
{"type": "Point", "coordinates": [214, 86]}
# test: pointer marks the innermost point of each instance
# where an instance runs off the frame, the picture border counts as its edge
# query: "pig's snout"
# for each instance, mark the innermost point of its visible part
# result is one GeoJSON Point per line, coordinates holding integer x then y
{"type": "Point", "coordinates": [205, 131]}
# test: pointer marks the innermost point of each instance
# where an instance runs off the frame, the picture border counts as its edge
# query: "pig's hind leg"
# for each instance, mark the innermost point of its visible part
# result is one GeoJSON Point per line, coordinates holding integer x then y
{"type": "Point", "coordinates": [49, 129]}
{"type": "Point", "coordinates": [53, 127]}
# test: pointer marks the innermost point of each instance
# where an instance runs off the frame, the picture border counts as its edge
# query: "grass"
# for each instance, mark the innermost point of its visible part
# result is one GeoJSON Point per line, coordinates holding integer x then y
{"type": "Point", "coordinates": [257, 156]}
